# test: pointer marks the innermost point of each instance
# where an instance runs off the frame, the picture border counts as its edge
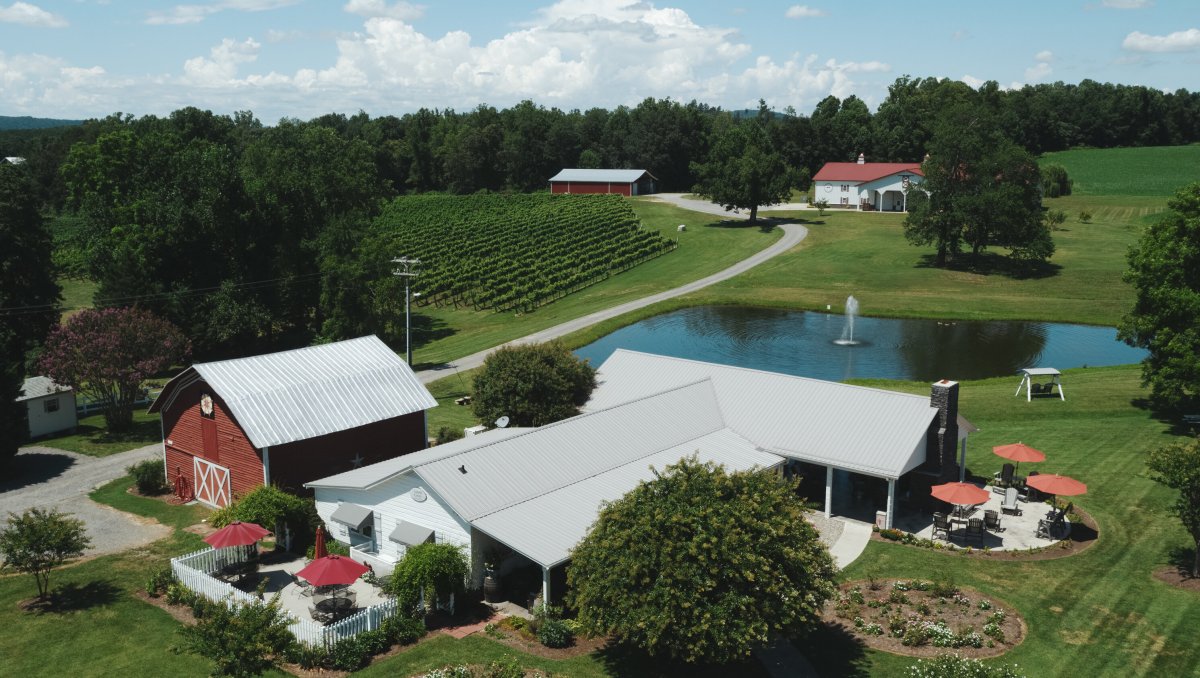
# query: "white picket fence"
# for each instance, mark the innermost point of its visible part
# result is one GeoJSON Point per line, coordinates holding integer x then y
{"type": "Point", "coordinates": [194, 571]}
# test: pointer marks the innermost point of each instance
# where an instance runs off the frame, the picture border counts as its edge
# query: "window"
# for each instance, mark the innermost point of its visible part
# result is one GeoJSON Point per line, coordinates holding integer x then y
{"type": "Point", "coordinates": [364, 531]}
{"type": "Point", "coordinates": [845, 188]}
{"type": "Point", "coordinates": [50, 405]}
{"type": "Point", "coordinates": [845, 200]}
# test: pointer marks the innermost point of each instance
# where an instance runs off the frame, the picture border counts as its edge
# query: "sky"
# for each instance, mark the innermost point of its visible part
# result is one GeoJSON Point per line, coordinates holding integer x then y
{"type": "Point", "coordinates": [303, 58]}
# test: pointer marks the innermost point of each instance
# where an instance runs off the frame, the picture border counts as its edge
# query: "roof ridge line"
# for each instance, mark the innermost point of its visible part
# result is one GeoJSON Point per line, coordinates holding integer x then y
{"type": "Point", "coordinates": [290, 350]}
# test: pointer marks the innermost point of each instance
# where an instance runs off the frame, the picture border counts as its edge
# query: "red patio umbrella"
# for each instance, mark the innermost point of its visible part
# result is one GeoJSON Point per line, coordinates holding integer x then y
{"type": "Point", "coordinates": [319, 547]}
{"type": "Point", "coordinates": [1063, 486]}
{"type": "Point", "coordinates": [960, 493]}
{"type": "Point", "coordinates": [236, 533]}
{"type": "Point", "coordinates": [332, 570]}
{"type": "Point", "coordinates": [1019, 452]}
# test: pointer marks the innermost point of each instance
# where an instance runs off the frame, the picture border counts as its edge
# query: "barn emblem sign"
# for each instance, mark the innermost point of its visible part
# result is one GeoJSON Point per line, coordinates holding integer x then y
{"type": "Point", "coordinates": [206, 406]}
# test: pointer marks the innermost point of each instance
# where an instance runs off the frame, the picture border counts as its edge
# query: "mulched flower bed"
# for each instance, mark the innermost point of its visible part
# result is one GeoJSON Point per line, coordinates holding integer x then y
{"type": "Point", "coordinates": [1084, 533]}
{"type": "Point", "coordinates": [921, 618]}
{"type": "Point", "coordinates": [514, 632]}
{"type": "Point", "coordinates": [1178, 577]}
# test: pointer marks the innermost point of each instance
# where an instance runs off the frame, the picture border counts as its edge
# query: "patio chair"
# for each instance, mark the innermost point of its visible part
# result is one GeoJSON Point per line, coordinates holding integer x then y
{"type": "Point", "coordinates": [1031, 493]}
{"type": "Point", "coordinates": [991, 520]}
{"type": "Point", "coordinates": [1005, 477]}
{"type": "Point", "coordinates": [975, 529]}
{"type": "Point", "coordinates": [941, 523]}
{"type": "Point", "coordinates": [1010, 502]}
{"type": "Point", "coordinates": [1043, 528]}
{"type": "Point", "coordinates": [306, 589]}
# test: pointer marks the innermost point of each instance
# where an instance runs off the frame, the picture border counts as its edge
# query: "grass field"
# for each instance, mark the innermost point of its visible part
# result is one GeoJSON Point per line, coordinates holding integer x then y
{"type": "Point", "coordinates": [1157, 170]}
{"type": "Point", "coordinates": [77, 294]}
{"type": "Point", "coordinates": [709, 245]}
{"type": "Point", "coordinates": [93, 439]}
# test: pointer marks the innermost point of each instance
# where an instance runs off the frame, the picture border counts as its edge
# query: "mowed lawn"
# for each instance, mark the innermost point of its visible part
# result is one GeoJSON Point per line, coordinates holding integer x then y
{"type": "Point", "coordinates": [709, 245]}
{"type": "Point", "coordinates": [1100, 613]}
{"type": "Point", "coordinates": [1154, 170]}
{"type": "Point", "coordinates": [92, 437]}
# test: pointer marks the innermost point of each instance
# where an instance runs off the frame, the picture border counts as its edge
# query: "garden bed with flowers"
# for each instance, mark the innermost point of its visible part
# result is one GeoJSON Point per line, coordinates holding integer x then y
{"type": "Point", "coordinates": [923, 618]}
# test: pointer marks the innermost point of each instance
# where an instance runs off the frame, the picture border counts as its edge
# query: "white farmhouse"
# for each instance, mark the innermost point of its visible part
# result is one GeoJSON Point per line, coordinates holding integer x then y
{"type": "Point", "coordinates": [873, 186]}
{"type": "Point", "coordinates": [50, 406]}
{"type": "Point", "coordinates": [523, 498]}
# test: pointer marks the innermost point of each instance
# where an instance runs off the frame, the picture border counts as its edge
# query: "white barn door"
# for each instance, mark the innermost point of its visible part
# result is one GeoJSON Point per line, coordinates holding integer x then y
{"type": "Point", "coordinates": [212, 483]}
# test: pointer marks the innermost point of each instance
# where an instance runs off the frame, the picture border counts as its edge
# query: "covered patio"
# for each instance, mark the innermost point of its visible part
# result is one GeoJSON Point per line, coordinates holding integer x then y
{"type": "Point", "coordinates": [1018, 532]}
{"type": "Point", "coordinates": [295, 599]}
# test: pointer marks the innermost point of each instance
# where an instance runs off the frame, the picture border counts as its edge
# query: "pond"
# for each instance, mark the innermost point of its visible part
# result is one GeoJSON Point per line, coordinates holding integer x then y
{"type": "Point", "coordinates": [804, 344]}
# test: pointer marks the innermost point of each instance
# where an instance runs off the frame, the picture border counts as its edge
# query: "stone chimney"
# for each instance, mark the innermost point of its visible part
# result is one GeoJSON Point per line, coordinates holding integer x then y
{"type": "Point", "coordinates": [941, 445]}
{"type": "Point", "coordinates": [861, 159]}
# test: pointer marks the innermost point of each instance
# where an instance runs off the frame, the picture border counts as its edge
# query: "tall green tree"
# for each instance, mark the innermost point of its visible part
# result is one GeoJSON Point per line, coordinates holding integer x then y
{"type": "Point", "coordinates": [980, 190]}
{"type": "Point", "coordinates": [1178, 466]}
{"type": "Point", "coordinates": [701, 565]}
{"type": "Point", "coordinates": [37, 541]}
{"type": "Point", "coordinates": [743, 170]}
{"type": "Point", "coordinates": [532, 384]}
{"type": "Point", "coordinates": [1164, 269]}
{"type": "Point", "coordinates": [29, 296]}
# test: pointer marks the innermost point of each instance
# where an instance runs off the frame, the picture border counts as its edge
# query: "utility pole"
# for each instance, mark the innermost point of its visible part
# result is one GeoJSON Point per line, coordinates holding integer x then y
{"type": "Point", "coordinates": [406, 272]}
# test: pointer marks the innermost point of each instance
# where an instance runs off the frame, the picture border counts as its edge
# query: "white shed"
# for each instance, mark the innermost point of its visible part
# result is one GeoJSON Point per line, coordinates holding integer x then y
{"type": "Point", "coordinates": [50, 407]}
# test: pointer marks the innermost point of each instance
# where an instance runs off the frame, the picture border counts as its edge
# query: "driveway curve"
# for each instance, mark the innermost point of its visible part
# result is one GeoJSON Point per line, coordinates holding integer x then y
{"type": "Point", "coordinates": [56, 479]}
{"type": "Point", "coordinates": [793, 234]}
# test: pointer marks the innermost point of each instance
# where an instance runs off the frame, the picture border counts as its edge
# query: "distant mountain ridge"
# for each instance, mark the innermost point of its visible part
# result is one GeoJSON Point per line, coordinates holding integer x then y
{"type": "Point", "coordinates": [28, 122]}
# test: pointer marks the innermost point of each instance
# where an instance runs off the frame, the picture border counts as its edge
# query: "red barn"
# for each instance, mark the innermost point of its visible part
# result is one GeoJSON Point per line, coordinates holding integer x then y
{"type": "Point", "coordinates": [288, 418]}
{"type": "Point", "coordinates": [623, 182]}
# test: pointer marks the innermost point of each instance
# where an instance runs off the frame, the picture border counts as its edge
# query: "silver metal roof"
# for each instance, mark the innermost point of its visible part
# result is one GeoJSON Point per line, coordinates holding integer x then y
{"type": "Point", "coordinates": [410, 533]}
{"type": "Point", "coordinates": [616, 176]}
{"type": "Point", "coordinates": [351, 514]}
{"type": "Point", "coordinates": [366, 477]}
{"type": "Point", "coordinates": [855, 428]}
{"type": "Point", "coordinates": [37, 387]}
{"type": "Point", "coordinates": [510, 471]}
{"type": "Point", "coordinates": [545, 528]}
{"type": "Point", "coordinates": [308, 392]}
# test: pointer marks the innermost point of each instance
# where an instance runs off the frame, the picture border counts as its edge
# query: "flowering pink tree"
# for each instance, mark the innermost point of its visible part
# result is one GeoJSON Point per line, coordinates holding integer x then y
{"type": "Point", "coordinates": [106, 354]}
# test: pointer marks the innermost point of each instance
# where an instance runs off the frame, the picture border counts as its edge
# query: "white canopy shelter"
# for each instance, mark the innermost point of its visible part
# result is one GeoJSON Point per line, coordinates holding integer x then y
{"type": "Point", "coordinates": [1027, 382]}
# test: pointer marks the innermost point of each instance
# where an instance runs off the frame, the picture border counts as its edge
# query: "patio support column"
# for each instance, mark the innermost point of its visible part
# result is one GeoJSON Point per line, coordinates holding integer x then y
{"type": "Point", "coordinates": [891, 505]}
{"type": "Point", "coordinates": [828, 490]}
{"type": "Point", "coordinates": [962, 462]}
{"type": "Point", "coordinates": [546, 586]}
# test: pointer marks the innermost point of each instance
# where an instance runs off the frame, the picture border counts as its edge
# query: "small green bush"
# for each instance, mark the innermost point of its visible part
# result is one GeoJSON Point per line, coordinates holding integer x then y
{"type": "Point", "coordinates": [447, 434]}
{"type": "Point", "coordinates": [374, 642]}
{"type": "Point", "coordinates": [150, 476]}
{"type": "Point", "coordinates": [554, 633]}
{"type": "Point", "coordinates": [158, 582]}
{"type": "Point", "coordinates": [349, 654]}
{"type": "Point", "coordinates": [954, 666]}
{"type": "Point", "coordinates": [332, 547]}
{"type": "Point", "coordinates": [306, 656]}
{"type": "Point", "coordinates": [403, 629]}
{"type": "Point", "coordinates": [505, 667]}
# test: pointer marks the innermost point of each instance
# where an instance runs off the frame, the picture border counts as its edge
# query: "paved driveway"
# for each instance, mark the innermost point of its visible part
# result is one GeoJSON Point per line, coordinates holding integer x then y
{"type": "Point", "coordinates": [56, 479]}
{"type": "Point", "coordinates": [793, 234]}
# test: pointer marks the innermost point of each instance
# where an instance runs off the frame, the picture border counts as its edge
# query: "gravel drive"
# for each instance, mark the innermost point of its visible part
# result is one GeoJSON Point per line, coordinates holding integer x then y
{"type": "Point", "coordinates": [793, 234]}
{"type": "Point", "coordinates": [57, 479]}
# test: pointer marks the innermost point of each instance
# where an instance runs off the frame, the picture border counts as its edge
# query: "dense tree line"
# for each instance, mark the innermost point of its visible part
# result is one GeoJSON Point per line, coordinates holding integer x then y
{"type": "Point", "coordinates": [248, 237]}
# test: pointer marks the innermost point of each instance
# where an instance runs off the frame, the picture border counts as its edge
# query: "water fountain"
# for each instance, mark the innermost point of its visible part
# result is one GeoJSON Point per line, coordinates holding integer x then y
{"type": "Point", "coordinates": [848, 329]}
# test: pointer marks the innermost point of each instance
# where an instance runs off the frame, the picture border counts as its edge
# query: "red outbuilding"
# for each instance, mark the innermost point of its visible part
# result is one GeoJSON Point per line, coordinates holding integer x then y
{"type": "Point", "coordinates": [622, 182]}
{"type": "Point", "coordinates": [288, 418]}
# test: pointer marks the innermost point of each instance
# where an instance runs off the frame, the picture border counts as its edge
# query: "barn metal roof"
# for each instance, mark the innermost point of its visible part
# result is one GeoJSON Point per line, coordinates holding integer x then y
{"type": "Point", "coordinates": [545, 528]}
{"type": "Point", "coordinates": [855, 428]}
{"type": "Point", "coordinates": [37, 387]}
{"type": "Point", "coordinates": [308, 392]}
{"type": "Point", "coordinates": [616, 176]}
{"type": "Point", "coordinates": [491, 477]}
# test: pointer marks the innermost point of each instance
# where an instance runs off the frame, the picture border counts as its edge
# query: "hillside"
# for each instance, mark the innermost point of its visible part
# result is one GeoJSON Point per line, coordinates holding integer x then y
{"type": "Point", "coordinates": [1151, 170]}
{"type": "Point", "coordinates": [27, 122]}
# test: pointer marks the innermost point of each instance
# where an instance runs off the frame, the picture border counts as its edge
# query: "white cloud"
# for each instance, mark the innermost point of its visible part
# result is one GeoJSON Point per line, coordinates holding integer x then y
{"type": "Point", "coordinates": [1044, 56]}
{"type": "Point", "coordinates": [1038, 71]}
{"type": "Point", "coordinates": [405, 11]}
{"type": "Point", "coordinates": [190, 14]}
{"type": "Point", "coordinates": [972, 81]}
{"type": "Point", "coordinates": [30, 15]}
{"type": "Point", "coordinates": [220, 69]}
{"type": "Point", "coordinates": [288, 35]}
{"type": "Point", "coordinates": [804, 12]}
{"type": "Point", "coordinates": [1127, 4]}
{"type": "Point", "coordinates": [1179, 41]}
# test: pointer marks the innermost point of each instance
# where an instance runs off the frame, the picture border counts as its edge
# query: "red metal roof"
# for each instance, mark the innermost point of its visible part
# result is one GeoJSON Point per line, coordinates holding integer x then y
{"type": "Point", "coordinates": [868, 171]}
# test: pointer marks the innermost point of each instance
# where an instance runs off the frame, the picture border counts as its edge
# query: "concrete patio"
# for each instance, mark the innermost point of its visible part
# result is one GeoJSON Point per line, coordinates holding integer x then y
{"type": "Point", "coordinates": [1017, 532]}
{"type": "Point", "coordinates": [278, 573]}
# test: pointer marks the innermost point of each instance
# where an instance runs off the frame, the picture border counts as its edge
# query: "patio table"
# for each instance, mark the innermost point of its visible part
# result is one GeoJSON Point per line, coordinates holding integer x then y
{"type": "Point", "coordinates": [332, 609]}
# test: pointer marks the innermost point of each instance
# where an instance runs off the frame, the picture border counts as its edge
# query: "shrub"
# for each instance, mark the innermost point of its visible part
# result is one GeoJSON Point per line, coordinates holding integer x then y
{"type": "Point", "coordinates": [178, 594]}
{"type": "Point", "coordinates": [438, 570]}
{"type": "Point", "coordinates": [460, 671]}
{"type": "Point", "coordinates": [150, 476]}
{"type": "Point", "coordinates": [505, 667]}
{"type": "Point", "coordinates": [554, 633]}
{"type": "Point", "coordinates": [1085, 217]}
{"type": "Point", "coordinates": [403, 629]}
{"type": "Point", "coordinates": [374, 642]}
{"type": "Point", "coordinates": [244, 640]}
{"type": "Point", "coordinates": [1055, 182]}
{"type": "Point", "coordinates": [159, 581]}
{"type": "Point", "coordinates": [993, 630]}
{"type": "Point", "coordinates": [954, 666]}
{"type": "Point", "coordinates": [306, 656]}
{"type": "Point", "coordinates": [447, 434]}
{"type": "Point", "coordinates": [349, 654]}
{"type": "Point", "coordinates": [332, 547]}
{"type": "Point", "coordinates": [944, 587]}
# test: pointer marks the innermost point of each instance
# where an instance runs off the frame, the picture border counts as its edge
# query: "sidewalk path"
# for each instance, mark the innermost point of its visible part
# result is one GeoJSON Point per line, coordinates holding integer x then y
{"type": "Point", "coordinates": [793, 234]}
{"type": "Point", "coordinates": [56, 479]}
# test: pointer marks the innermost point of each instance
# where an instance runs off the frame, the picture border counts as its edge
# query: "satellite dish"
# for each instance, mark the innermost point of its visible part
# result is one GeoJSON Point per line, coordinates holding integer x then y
{"type": "Point", "coordinates": [502, 422]}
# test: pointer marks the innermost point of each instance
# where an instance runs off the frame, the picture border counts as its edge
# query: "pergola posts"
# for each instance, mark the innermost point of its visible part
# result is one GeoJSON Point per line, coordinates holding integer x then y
{"type": "Point", "coordinates": [828, 491]}
{"type": "Point", "coordinates": [546, 586]}
{"type": "Point", "coordinates": [891, 502]}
